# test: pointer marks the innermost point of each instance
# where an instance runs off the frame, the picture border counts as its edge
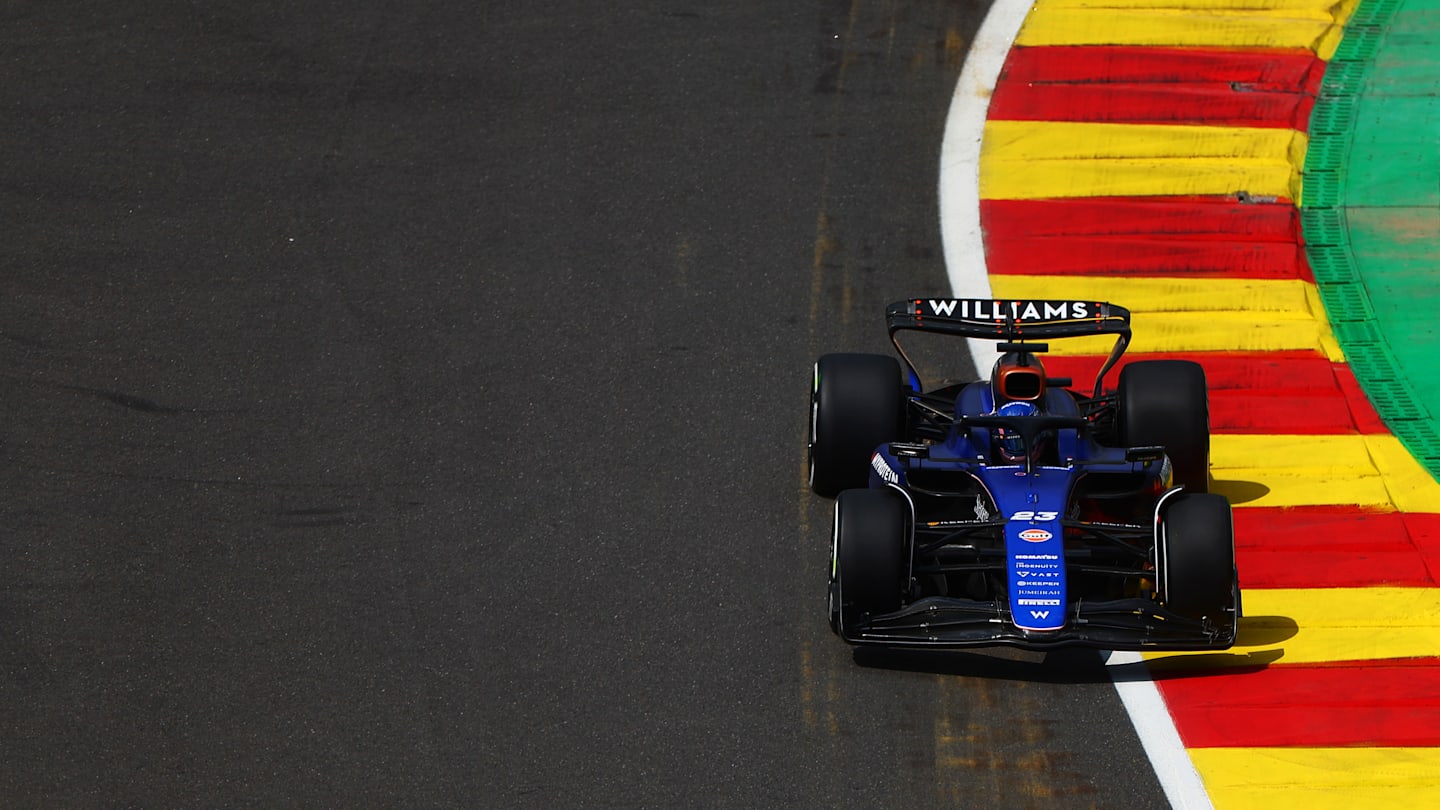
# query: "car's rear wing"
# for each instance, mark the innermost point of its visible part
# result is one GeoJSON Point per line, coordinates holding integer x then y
{"type": "Point", "coordinates": [1012, 323]}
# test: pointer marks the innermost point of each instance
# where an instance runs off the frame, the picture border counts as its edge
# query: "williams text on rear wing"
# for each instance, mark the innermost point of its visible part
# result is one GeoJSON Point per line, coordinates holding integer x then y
{"type": "Point", "coordinates": [1012, 322]}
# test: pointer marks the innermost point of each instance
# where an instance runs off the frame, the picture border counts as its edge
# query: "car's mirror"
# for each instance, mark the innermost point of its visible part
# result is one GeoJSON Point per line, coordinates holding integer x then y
{"type": "Point", "coordinates": [1144, 454]}
{"type": "Point", "coordinates": [909, 450]}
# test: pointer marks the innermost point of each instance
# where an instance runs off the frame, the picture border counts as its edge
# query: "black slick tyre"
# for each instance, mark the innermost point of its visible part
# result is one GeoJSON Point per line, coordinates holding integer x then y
{"type": "Point", "coordinates": [1197, 556]}
{"type": "Point", "coordinates": [868, 566]}
{"type": "Point", "coordinates": [1163, 403]}
{"type": "Point", "coordinates": [856, 404]}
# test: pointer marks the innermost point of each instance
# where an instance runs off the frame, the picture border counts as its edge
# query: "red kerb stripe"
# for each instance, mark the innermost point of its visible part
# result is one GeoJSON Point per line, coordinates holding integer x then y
{"type": "Point", "coordinates": [1210, 87]}
{"type": "Point", "coordinates": [1335, 547]}
{"type": "Point", "coordinates": [1193, 237]}
{"type": "Point", "coordinates": [1364, 704]}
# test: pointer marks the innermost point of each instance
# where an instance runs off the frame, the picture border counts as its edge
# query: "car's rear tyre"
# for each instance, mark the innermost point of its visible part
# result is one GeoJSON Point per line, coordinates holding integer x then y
{"type": "Point", "coordinates": [868, 566]}
{"type": "Point", "coordinates": [856, 404]}
{"type": "Point", "coordinates": [1163, 403]}
{"type": "Point", "coordinates": [1197, 556]}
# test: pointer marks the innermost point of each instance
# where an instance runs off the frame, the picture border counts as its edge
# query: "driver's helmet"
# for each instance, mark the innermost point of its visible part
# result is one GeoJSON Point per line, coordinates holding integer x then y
{"type": "Point", "coordinates": [1009, 442]}
{"type": "Point", "coordinates": [1018, 376]}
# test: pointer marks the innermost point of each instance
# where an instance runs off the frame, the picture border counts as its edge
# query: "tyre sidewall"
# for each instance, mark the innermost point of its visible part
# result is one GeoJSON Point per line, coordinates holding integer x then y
{"type": "Point", "coordinates": [1197, 556]}
{"type": "Point", "coordinates": [868, 563]}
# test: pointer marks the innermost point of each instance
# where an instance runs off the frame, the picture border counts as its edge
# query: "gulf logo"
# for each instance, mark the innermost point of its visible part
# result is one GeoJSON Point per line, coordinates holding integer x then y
{"type": "Point", "coordinates": [1035, 535]}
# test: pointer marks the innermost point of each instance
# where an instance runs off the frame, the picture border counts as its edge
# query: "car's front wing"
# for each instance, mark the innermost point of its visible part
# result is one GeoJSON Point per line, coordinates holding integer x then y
{"type": "Point", "coordinates": [1122, 624]}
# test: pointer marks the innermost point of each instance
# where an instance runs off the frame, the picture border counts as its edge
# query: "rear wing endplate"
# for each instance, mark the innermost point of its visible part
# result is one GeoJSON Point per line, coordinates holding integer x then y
{"type": "Point", "coordinates": [1012, 322]}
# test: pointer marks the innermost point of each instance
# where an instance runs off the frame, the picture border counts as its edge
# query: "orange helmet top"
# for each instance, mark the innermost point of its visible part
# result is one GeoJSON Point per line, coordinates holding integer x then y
{"type": "Point", "coordinates": [1018, 377]}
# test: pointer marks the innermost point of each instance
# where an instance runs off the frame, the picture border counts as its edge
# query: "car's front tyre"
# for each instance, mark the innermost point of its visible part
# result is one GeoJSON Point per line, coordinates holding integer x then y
{"type": "Point", "coordinates": [1197, 557]}
{"type": "Point", "coordinates": [868, 566]}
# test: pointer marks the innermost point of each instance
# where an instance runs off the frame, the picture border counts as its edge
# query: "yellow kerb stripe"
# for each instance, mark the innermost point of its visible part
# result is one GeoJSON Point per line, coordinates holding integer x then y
{"type": "Point", "coordinates": [1319, 778]}
{"type": "Point", "coordinates": [1308, 626]}
{"type": "Point", "coordinates": [1022, 160]}
{"type": "Point", "coordinates": [1181, 315]}
{"type": "Point", "coordinates": [1283, 298]}
{"type": "Point", "coordinates": [1314, 25]}
{"type": "Point", "coordinates": [1353, 469]}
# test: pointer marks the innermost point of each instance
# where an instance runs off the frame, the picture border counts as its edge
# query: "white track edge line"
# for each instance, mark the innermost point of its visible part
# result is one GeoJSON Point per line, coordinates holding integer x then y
{"type": "Point", "coordinates": [1158, 735]}
{"type": "Point", "coordinates": [960, 233]}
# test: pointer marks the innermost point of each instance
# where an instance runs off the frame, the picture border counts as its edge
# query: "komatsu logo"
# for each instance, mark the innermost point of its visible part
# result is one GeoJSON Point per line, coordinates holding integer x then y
{"type": "Point", "coordinates": [883, 470]}
{"type": "Point", "coordinates": [979, 310]}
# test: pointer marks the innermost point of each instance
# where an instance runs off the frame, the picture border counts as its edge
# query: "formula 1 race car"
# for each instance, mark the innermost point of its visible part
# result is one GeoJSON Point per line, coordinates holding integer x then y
{"type": "Point", "coordinates": [1014, 510]}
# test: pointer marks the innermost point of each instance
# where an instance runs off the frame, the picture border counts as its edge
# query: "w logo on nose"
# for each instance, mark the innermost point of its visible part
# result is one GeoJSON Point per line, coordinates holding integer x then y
{"type": "Point", "coordinates": [1040, 614]}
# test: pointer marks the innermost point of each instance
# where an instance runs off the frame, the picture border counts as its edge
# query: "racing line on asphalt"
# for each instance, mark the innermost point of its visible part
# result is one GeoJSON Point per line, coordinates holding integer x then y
{"type": "Point", "coordinates": [1163, 158]}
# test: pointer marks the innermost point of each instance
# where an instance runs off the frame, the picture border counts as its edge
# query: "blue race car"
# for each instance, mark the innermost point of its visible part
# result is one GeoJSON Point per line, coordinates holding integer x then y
{"type": "Point", "coordinates": [1015, 510]}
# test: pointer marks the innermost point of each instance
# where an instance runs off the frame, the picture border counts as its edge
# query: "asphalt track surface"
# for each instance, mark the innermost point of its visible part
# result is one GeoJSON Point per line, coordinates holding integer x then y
{"type": "Point", "coordinates": [405, 406]}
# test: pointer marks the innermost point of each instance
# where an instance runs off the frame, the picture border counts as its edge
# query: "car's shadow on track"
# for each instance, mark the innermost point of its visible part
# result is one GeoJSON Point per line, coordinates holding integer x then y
{"type": "Point", "coordinates": [1194, 665]}
{"type": "Point", "coordinates": [1238, 492]}
{"type": "Point", "coordinates": [1083, 666]}
{"type": "Point", "coordinates": [1067, 666]}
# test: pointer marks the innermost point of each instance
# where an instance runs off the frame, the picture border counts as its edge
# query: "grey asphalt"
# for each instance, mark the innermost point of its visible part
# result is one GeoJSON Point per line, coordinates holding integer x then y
{"type": "Point", "coordinates": [404, 405]}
